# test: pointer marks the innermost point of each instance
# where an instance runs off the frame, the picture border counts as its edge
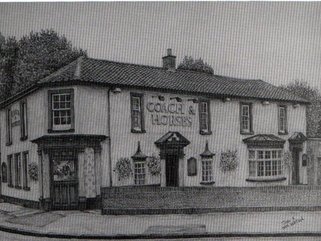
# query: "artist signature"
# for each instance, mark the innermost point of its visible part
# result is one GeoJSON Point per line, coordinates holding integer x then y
{"type": "Point", "coordinates": [290, 222]}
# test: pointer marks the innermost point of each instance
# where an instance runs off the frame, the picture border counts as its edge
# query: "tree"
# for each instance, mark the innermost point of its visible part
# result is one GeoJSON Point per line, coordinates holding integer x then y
{"type": "Point", "coordinates": [33, 57]}
{"type": "Point", "coordinates": [8, 60]}
{"type": "Point", "coordinates": [40, 54]}
{"type": "Point", "coordinates": [313, 113]}
{"type": "Point", "coordinates": [199, 65]}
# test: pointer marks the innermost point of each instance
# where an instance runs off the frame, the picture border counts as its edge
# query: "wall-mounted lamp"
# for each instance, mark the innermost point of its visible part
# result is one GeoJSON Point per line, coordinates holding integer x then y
{"type": "Point", "coordinates": [178, 99]}
{"type": "Point", "coordinates": [160, 97]}
{"type": "Point", "coordinates": [116, 90]}
{"type": "Point", "coordinates": [296, 106]}
{"type": "Point", "coordinates": [265, 102]}
{"type": "Point", "coordinates": [227, 99]}
{"type": "Point", "coordinates": [193, 100]}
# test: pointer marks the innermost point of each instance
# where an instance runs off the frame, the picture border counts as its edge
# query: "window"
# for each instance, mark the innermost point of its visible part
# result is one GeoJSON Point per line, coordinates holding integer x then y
{"type": "Point", "coordinates": [17, 167]}
{"type": "Point", "coordinates": [9, 126]}
{"type": "Point", "coordinates": [282, 120]}
{"type": "Point", "coordinates": [23, 120]}
{"type": "Point", "coordinates": [265, 163]}
{"type": "Point", "coordinates": [25, 160]}
{"type": "Point", "coordinates": [4, 172]}
{"type": "Point", "coordinates": [61, 110]}
{"type": "Point", "coordinates": [10, 171]}
{"type": "Point", "coordinates": [246, 118]}
{"type": "Point", "coordinates": [192, 166]}
{"type": "Point", "coordinates": [207, 170]}
{"type": "Point", "coordinates": [137, 113]}
{"type": "Point", "coordinates": [139, 173]}
{"type": "Point", "coordinates": [204, 117]}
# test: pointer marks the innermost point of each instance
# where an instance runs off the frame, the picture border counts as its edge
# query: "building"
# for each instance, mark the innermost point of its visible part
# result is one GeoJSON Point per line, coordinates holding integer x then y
{"type": "Point", "coordinates": [95, 124]}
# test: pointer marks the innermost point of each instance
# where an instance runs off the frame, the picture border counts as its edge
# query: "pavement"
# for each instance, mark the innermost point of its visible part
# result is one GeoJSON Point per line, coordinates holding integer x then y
{"type": "Point", "coordinates": [91, 224]}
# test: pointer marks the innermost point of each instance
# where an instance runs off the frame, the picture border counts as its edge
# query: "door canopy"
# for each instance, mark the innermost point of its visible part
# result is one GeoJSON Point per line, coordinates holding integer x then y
{"type": "Point", "coordinates": [172, 143]}
{"type": "Point", "coordinates": [297, 138]}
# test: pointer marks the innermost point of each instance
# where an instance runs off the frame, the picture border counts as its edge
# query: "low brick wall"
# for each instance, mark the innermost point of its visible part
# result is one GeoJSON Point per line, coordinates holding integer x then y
{"type": "Point", "coordinates": [153, 200]}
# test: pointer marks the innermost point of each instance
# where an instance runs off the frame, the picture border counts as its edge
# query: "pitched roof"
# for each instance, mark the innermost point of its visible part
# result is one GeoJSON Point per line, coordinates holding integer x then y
{"type": "Point", "coordinates": [88, 70]}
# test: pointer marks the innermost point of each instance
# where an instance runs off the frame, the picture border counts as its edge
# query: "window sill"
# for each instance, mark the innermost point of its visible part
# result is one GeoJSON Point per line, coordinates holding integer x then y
{"type": "Point", "coordinates": [61, 131]}
{"type": "Point", "coordinates": [247, 133]}
{"type": "Point", "coordinates": [283, 133]}
{"type": "Point", "coordinates": [26, 188]}
{"type": "Point", "coordinates": [205, 133]}
{"type": "Point", "coordinates": [23, 138]}
{"type": "Point", "coordinates": [138, 131]}
{"type": "Point", "coordinates": [265, 179]}
{"type": "Point", "coordinates": [9, 143]}
{"type": "Point", "coordinates": [207, 183]}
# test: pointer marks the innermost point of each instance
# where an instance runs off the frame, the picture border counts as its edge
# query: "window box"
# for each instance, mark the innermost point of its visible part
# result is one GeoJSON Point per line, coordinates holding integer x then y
{"type": "Point", "coordinates": [26, 188]}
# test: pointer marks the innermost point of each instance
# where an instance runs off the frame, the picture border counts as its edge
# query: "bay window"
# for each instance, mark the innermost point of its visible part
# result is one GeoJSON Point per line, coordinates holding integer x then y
{"type": "Point", "coordinates": [207, 170]}
{"type": "Point", "coordinates": [139, 172]}
{"type": "Point", "coordinates": [265, 163]}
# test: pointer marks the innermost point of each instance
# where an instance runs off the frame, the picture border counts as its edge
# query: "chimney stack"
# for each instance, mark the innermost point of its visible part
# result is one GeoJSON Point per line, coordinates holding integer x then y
{"type": "Point", "coordinates": [169, 61]}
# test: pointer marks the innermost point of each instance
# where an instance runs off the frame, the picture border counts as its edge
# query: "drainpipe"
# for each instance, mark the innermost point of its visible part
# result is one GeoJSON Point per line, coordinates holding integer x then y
{"type": "Point", "coordinates": [109, 141]}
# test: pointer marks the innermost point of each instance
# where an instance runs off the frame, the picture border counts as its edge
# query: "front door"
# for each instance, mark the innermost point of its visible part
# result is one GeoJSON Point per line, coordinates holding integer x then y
{"type": "Point", "coordinates": [172, 170]}
{"type": "Point", "coordinates": [64, 189]}
{"type": "Point", "coordinates": [296, 166]}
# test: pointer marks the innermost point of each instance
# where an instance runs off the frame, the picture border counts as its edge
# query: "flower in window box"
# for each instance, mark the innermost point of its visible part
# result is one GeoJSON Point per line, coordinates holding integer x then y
{"type": "Point", "coordinates": [33, 171]}
{"type": "Point", "coordinates": [229, 161]}
{"type": "Point", "coordinates": [123, 168]}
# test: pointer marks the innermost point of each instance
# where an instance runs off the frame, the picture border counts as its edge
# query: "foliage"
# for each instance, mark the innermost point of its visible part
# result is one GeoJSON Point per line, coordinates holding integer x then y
{"type": "Point", "coordinates": [154, 165]}
{"type": "Point", "coordinates": [123, 168]}
{"type": "Point", "coordinates": [313, 113]}
{"type": "Point", "coordinates": [199, 65]}
{"type": "Point", "coordinates": [229, 161]}
{"type": "Point", "coordinates": [287, 159]}
{"type": "Point", "coordinates": [33, 171]}
{"type": "Point", "coordinates": [32, 58]}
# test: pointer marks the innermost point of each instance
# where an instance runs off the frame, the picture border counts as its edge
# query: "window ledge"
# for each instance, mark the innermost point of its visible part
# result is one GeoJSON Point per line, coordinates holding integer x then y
{"type": "Point", "coordinates": [9, 143]}
{"type": "Point", "coordinates": [205, 133]}
{"type": "Point", "coordinates": [247, 133]}
{"type": "Point", "coordinates": [23, 138]}
{"type": "Point", "coordinates": [138, 131]}
{"type": "Point", "coordinates": [61, 131]}
{"type": "Point", "coordinates": [207, 183]}
{"type": "Point", "coordinates": [265, 179]}
{"type": "Point", "coordinates": [283, 133]}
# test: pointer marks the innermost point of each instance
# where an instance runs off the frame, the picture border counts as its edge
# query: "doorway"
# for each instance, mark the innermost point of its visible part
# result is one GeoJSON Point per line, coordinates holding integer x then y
{"type": "Point", "coordinates": [296, 166]}
{"type": "Point", "coordinates": [172, 167]}
{"type": "Point", "coordinates": [64, 180]}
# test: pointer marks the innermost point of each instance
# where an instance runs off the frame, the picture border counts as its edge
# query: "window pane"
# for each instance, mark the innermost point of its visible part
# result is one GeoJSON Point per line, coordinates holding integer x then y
{"type": "Point", "coordinates": [251, 154]}
{"type": "Point", "coordinates": [252, 168]}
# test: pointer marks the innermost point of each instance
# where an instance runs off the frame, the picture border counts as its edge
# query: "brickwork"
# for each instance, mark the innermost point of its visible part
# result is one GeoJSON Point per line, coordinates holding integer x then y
{"type": "Point", "coordinates": [151, 199]}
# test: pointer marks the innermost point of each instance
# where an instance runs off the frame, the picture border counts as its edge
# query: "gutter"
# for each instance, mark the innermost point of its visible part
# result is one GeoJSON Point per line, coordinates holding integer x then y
{"type": "Point", "coordinates": [109, 141]}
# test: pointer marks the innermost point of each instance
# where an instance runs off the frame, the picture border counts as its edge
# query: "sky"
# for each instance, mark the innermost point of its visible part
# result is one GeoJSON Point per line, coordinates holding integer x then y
{"type": "Point", "coordinates": [278, 42]}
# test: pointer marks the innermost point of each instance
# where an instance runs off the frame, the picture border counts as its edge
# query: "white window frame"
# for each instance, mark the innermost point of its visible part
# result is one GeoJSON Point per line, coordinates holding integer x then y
{"type": "Point", "coordinates": [61, 109]}
{"type": "Point", "coordinates": [265, 163]}
{"type": "Point", "coordinates": [282, 119]}
{"type": "Point", "coordinates": [246, 118]}
{"type": "Point", "coordinates": [139, 173]}
{"type": "Point", "coordinates": [207, 170]}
